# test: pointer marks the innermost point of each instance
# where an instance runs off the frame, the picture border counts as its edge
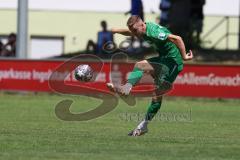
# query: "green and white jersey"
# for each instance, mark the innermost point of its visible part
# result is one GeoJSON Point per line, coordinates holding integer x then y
{"type": "Point", "coordinates": [157, 36]}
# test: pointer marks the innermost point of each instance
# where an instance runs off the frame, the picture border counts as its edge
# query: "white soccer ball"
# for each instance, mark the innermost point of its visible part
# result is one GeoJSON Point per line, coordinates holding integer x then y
{"type": "Point", "coordinates": [83, 73]}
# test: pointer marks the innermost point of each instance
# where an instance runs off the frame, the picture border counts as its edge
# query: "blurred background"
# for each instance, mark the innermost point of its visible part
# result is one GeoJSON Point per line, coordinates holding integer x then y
{"type": "Point", "coordinates": [37, 36]}
{"type": "Point", "coordinates": [199, 118]}
{"type": "Point", "coordinates": [70, 27]}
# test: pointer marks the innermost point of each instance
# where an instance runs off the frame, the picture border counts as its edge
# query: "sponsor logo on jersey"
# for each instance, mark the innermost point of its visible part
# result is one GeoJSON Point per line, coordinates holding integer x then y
{"type": "Point", "coordinates": [162, 36]}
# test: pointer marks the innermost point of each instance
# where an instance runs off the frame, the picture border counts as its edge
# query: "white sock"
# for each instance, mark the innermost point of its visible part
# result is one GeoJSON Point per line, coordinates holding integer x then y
{"type": "Point", "coordinates": [142, 124]}
{"type": "Point", "coordinates": [128, 87]}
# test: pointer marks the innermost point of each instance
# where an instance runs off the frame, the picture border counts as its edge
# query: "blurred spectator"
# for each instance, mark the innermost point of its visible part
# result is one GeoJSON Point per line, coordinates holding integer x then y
{"type": "Point", "coordinates": [164, 6]}
{"type": "Point", "coordinates": [103, 37]}
{"type": "Point", "coordinates": [1, 48]}
{"type": "Point", "coordinates": [9, 49]}
{"type": "Point", "coordinates": [196, 20]}
{"type": "Point", "coordinates": [179, 19]}
{"type": "Point", "coordinates": [91, 47]}
{"type": "Point", "coordinates": [136, 8]}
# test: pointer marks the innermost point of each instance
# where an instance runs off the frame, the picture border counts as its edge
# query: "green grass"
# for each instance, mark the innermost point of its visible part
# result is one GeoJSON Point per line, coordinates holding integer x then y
{"type": "Point", "coordinates": [29, 129]}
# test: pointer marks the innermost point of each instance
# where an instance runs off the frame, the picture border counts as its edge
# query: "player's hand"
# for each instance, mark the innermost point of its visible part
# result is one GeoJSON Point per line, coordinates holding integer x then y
{"type": "Point", "coordinates": [188, 56]}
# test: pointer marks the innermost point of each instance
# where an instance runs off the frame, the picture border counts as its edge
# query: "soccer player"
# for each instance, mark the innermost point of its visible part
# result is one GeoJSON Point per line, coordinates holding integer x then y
{"type": "Point", "coordinates": [164, 68]}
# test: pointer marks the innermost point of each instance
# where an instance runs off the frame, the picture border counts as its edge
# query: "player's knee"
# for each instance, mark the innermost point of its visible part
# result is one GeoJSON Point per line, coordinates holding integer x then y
{"type": "Point", "coordinates": [139, 65]}
{"type": "Point", "coordinates": [164, 88]}
{"type": "Point", "coordinates": [143, 65]}
{"type": "Point", "coordinates": [157, 98]}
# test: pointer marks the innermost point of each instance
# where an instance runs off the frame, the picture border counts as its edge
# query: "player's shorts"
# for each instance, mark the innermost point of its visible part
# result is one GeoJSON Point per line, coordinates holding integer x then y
{"type": "Point", "coordinates": [165, 70]}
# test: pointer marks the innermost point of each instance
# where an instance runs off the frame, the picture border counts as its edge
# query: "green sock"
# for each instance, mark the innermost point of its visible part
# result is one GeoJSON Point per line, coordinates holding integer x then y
{"type": "Point", "coordinates": [135, 76]}
{"type": "Point", "coordinates": [152, 110]}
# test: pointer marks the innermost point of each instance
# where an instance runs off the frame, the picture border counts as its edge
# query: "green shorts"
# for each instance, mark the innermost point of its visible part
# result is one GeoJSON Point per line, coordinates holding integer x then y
{"type": "Point", "coordinates": [165, 70]}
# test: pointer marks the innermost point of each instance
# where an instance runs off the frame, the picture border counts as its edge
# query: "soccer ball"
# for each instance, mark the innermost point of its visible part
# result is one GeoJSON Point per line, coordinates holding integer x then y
{"type": "Point", "coordinates": [83, 73]}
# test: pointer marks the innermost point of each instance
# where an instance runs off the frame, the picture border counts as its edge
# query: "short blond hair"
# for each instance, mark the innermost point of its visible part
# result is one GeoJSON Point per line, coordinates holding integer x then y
{"type": "Point", "coordinates": [133, 19]}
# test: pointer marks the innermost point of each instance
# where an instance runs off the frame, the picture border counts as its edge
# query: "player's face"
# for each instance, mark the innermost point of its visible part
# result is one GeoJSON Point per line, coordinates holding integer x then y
{"type": "Point", "coordinates": [138, 29]}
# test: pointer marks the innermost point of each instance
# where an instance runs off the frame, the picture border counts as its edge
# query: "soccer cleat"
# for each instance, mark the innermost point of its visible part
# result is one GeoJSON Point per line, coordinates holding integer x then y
{"type": "Point", "coordinates": [138, 132]}
{"type": "Point", "coordinates": [122, 90]}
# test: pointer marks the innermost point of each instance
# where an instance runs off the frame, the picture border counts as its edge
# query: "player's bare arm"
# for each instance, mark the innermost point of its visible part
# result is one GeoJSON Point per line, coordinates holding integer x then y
{"type": "Point", "coordinates": [125, 32]}
{"type": "Point", "coordinates": [181, 46]}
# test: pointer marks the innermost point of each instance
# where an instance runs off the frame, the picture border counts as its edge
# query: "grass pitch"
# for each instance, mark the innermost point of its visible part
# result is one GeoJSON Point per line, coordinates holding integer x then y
{"type": "Point", "coordinates": [29, 129]}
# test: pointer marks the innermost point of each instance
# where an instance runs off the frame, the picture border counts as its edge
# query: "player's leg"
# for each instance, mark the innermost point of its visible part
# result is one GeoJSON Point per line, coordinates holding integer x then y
{"type": "Point", "coordinates": [164, 78]}
{"type": "Point", "coordinates": [134, 77]}
{"type": "Point", "coordinates": [152, 110]}
{"type": "Point", "coordinates": [154, 106]}
{"type": "Point", "coordinates": [139, 69]}
{"type": "Point", "coordinates": [165, 72]}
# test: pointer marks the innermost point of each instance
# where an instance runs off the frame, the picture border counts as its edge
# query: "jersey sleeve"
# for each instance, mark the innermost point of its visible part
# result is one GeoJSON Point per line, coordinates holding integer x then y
{"type": "Point", "coordinates": [158, 32]}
